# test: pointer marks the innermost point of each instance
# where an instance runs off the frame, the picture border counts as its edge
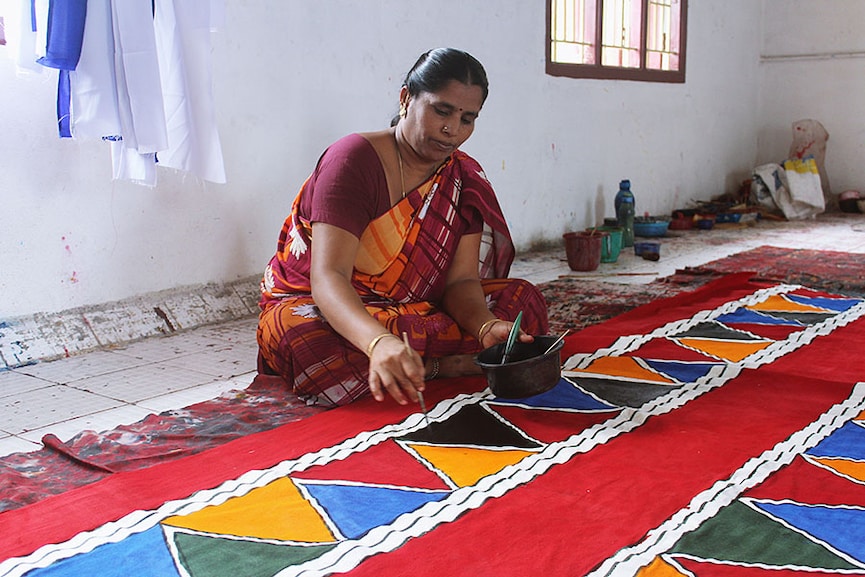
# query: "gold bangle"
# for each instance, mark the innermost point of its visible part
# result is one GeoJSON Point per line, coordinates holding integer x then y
{"type": "Point", "coordinates": [485, 328]}
{"type": "Point", "coordinates": [434, 372]}
{"type": "Point", "coordinates": [375, 341]}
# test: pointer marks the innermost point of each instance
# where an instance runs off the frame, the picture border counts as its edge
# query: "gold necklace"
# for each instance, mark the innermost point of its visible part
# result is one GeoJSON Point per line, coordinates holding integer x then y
{"type": "Point", "coordinates": [399, 157]}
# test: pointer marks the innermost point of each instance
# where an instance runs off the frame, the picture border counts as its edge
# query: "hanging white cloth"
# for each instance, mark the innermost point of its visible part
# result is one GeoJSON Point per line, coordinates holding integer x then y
{"type": "Point", "coordinates": [137, 58]}
{"type": "Point", "coordinates": [129, 164]}
{"type": "Point", "coordinates": [20, 37]}
{"type": "Point", "coordinates": [183, 29]}
{"type": "Point", "coordinates": [139, 92]}
{"type": "Point", "coordinates": [40, 14]}
{"type": "Point", "coordinates": [93, 83]}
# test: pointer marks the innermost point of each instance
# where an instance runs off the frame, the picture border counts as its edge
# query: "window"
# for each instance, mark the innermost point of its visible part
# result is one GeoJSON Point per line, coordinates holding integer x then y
{"type": "Point", "coordinates": [639, 39]}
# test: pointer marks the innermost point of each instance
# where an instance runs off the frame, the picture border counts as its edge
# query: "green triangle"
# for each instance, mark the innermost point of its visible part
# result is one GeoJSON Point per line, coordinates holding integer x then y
{"type": "Point", "coordinates": [738, 533]}
{"type": "Point", "coordinates": [204, 556]}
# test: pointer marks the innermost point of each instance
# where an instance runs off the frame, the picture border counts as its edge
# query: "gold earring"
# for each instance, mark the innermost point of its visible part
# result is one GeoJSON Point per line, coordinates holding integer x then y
{"type": "Point", "coordinates": [402, 109]}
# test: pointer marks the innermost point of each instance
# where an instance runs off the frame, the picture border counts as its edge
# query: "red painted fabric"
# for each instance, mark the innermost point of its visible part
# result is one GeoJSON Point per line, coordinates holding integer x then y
{"type": "Point", "coordinates": [722, 472]}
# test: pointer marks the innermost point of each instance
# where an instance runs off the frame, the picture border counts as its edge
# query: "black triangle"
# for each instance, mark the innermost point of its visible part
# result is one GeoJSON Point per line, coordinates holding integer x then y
{"type": "Point", "coordinates": [715, 330]}
{"type": "Point", "coordinates": [472, 425]}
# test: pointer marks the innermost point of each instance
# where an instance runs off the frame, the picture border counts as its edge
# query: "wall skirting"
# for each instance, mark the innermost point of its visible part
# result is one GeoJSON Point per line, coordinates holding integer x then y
{"type": "Point", "coordinates": [49, 336]}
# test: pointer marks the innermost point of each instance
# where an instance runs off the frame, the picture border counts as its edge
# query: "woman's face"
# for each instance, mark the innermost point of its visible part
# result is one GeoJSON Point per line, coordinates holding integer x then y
{"type": "Point", "coordinates": [437, 123]}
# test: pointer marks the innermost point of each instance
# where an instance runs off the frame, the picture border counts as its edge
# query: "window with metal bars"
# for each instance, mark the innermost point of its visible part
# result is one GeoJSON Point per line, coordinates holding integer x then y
{"type": "Point", "coordinates": [617, 39]}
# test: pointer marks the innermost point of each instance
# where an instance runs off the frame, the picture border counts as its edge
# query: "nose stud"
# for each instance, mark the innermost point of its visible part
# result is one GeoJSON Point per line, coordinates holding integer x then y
{"type": "Point", "coordinates": [446, 129]}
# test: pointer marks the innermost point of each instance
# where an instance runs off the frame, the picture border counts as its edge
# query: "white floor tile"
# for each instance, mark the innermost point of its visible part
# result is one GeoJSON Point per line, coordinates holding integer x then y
{"type": "Point", "coordinates": [193, 395]}
{"type": "Point", "coordinates": [14, 383]}
{"type": "Point", "coordinates": [77, 367]}
{"type": "Point", "coordinates": [222, 361]}
{"type": "Point", "coordinates": [49, 405]}
{"type": "Point", "coordinates": [238, 331]}
{"type": "Point", "coordinates": [100, 421]}
{"type": "Point", "coordinates": [178, 345]}
{"type": "Point", "coordinates": [9, 445]}
{"type": "Point", "coordinates": [143, 382]}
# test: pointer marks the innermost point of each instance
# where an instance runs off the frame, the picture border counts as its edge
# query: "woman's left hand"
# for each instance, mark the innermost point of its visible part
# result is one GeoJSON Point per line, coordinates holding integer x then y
{"type": "Point", "coordinates": [499, 331]}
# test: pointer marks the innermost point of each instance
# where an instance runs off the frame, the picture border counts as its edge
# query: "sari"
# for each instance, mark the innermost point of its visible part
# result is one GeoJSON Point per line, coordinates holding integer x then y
{"type": "Point", "coordinates": [400, 273]}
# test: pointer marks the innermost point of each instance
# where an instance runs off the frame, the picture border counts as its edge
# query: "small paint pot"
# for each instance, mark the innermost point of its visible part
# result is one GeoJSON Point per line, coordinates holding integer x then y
{"type": "Point", "coordinates": [583, 249]}
{"type": "Point", "coordinates": [681, 222]}
{"type": "Point", "coordinates": [648, 249]}
{"type": "Point", "coordinates": [705, 223]}
{"type": "Point", "coordinates": [532, 368]}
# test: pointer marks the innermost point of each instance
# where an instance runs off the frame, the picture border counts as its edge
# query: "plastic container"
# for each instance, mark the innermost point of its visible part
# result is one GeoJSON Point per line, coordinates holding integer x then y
{"type": "Point", "coordinates": [648, 249]}
{"type": "Point", "coordinates": [681, 221]}
{"type": "Point", "coordinates": [725, 217]}
{"type": "Point", "coordinates": [650, 227]}
{"type": "Point", "coordinates": [583, 249]}
{"type": "Point", "coordinates": [705, 222]}
{"type": "Point", "coordinates": [528, 371]}
{"type": "Point", "coordinates": [625, 210]}
{"type": "Point", "coordinates": [611, 245]}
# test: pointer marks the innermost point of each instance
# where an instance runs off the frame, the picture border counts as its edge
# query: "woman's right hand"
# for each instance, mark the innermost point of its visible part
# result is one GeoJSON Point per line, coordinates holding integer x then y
{"type": "Point", "coordinates": [396, 369]}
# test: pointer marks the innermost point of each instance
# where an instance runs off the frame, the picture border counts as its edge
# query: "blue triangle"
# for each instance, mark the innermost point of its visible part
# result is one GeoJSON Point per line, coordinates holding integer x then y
{"type": "Point", "coordinates": [753, 317]}
{"type": "Point", "coordinates": [144, 554]}
{"type": "Point", "coordinates": [355, 509]}
{"type": "Point", "coordinates": [847, 442]}
{"type": "Point", "coordinates": [831, 304]}
{"type": "Point", "coordinates": [563, 396]}
{"type": "Point", "coordinates": [841, 528]}
{"type": "Point", "coordinates": [681, 371]}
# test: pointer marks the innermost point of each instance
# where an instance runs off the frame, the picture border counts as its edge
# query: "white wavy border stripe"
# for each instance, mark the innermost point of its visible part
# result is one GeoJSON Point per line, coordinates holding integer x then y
{"type": "Point", "coordinates": [348, 554]}
{"type": "Point", "coordinates": [708, 503]}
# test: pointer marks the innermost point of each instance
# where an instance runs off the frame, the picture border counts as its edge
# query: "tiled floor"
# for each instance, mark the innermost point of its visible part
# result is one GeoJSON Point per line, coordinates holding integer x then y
{"type": "Point", "coordinates": [106, 388]}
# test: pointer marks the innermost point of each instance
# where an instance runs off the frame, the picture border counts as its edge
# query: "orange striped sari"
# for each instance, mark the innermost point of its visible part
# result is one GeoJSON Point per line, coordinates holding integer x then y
{"type": "Point", "coordinates": [400, 273]}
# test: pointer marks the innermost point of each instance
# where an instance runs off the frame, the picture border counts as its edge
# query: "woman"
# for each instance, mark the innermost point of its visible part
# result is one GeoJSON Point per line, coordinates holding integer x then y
{"type": "Point", "coordinates": [376, 285]}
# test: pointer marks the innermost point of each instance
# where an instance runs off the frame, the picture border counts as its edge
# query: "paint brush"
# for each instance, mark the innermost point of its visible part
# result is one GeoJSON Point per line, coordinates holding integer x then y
{"type": "Point", "coordinates": [512, 337]}
{"type": "Point", "coordinates": [557, 341]}
{"type": "Point", "coordinates": [408, 349]}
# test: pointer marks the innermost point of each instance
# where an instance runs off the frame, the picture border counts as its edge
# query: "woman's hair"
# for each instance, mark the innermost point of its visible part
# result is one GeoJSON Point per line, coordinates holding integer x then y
{"type": "Point", "coordinates": [434, 69]}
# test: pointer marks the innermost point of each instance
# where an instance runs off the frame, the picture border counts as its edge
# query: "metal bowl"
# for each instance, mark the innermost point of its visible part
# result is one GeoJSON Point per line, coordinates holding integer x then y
{"type": "Point", "coordinates": [528, 371]}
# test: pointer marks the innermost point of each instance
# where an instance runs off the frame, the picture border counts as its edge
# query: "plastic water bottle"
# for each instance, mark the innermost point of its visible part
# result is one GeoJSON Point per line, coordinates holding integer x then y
{"type": "Point", "coordinates": [625, 210]}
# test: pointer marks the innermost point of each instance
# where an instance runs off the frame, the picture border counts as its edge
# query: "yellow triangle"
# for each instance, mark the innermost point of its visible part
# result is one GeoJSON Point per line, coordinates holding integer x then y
{"type": "Point", "coordinates": [733, 351]}
{"type": "Point", "coordinates": [659, 568]}
{"type": "Point", "coordinates": [778, 303]}
{"type": "Point", "coordinates": [623, 367]}
{"type": "Point", "coordinates": [275, 511]}
{"type": "Point", "coordinates": [852, 469]}
{"type": "Point", "coordinates": [465, 466]}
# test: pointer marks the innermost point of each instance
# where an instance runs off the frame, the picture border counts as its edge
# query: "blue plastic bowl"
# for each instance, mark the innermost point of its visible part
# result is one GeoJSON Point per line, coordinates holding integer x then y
{"type": "Point", "coordinates": [651, 228]}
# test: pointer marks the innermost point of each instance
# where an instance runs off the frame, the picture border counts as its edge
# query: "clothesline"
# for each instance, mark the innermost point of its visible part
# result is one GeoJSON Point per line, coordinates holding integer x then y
{"type": "Point", "coordinates": [145, 90]}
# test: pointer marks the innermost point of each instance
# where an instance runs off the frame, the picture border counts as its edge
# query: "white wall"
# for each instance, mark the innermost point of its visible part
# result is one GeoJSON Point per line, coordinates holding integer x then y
{"type": "Point", "coordinates": [293, 75]}
{"type": "Point", "coordinates": [813, 66]}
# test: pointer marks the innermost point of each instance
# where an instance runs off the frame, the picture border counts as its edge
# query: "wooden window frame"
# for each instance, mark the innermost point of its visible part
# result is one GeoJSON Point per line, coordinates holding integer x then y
{"type": "Point", "coordinates": [599, 71]}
